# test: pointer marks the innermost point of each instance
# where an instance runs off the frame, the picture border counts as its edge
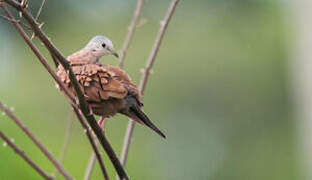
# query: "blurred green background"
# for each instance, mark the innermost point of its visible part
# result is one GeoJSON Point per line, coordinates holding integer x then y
{"type": "Point", "coordinates": [219, 90]}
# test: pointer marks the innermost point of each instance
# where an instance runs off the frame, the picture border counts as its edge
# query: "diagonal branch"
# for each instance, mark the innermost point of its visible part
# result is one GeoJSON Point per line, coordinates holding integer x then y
{"type": "Point", "coordinates": [24, 156]}
{"type": "Point", "coordinates": [82, 102]}
{"type": "Point", "coordinates": [40, 9]}
{"type": "Point", "coordinates": [37, 53]}
{"type": "Point", "coordinates": [163, 26]}
{"type": "Point", "coordinates": [124, 49]}
{"type": "Point", "coordinates": [18, 21]}
{"type": "Point", "coordinates": [130, 33]}
{"type": "Point", "coordinates": [43, 149]}
{"type": "Point", "coordinates": [96, 152]}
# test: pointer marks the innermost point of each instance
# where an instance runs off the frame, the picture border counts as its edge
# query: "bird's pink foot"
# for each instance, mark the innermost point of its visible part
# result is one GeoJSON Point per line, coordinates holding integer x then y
{"type": "Point", "coordinates": [90, 110]}
{"type": "Point", "coordinates": [100, 123]}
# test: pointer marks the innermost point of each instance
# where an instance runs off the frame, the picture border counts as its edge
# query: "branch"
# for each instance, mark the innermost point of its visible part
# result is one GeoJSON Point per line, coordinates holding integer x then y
{"type": "Point", "coordinates": [90, 166]}
{"type": "Point", "coordinates": [163, 26]}
{"type": "Point", "coordinates": [40, 9]}
{"type": "Point", "coordinates": [17, 21]}
{"type": "Point", "coordinates": [37, 17]}
{"type": "Point", "coordinates": [23, 155]}
{"type": "Point", "coordinates": [95, 150]}
{"type": "Point", "coordinates": [37, 53]}
{"type": "Point", "coordinates": [130, 33]}
{"type": "Point", "coordinates": [69, 130]}
{"type": "Point", "coordinates": [125, 46]}
{"type": "Point", "coordinates": [92, 161]}
{"type": "Point", "coordinates": [43, 149]}
{"type": "Point", "coordinates": [82, 102]}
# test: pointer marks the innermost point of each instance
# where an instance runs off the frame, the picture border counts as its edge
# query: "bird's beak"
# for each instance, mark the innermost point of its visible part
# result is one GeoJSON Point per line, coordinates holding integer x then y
{"type": "Point", "coordinates": [114, 53]}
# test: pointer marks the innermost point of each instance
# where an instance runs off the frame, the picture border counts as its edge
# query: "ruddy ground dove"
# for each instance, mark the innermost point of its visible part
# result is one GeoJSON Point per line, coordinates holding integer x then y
{"type": "Point", "coordinates": [107, 89]}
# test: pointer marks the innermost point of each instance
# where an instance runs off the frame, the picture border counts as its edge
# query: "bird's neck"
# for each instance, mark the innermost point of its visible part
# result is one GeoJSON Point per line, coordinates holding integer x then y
{"type": "Point", "coordinates": [83, 57]}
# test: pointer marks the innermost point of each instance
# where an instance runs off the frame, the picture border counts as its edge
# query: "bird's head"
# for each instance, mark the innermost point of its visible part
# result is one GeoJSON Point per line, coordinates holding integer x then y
{"type": "Point", "coordinates": [101, 46]}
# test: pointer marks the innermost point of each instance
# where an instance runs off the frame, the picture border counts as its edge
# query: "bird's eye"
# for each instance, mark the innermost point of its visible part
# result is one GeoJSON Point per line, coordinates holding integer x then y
{"type": "Point", "coordinates": [103, 45]}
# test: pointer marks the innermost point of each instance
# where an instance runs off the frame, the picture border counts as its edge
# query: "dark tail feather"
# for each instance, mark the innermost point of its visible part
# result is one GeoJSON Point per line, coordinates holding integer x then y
{"type": "Point", "coordinates": [140, 114]}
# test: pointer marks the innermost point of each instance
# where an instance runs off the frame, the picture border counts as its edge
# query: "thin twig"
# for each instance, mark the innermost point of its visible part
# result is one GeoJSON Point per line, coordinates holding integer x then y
{"type": "Point", "coordinates": [40, 9]}
{"type": "Point", "coordinates": [130, 33]}
{"type": "Point", "coordinates": [43, 149]}
{"type": "Point", "coordinates": [82, 102]}
{"type": "Point", "coordinates": [24, 156]}
{"type": "Point", "coordinates": [17, 21]}
{"type": "Point", "coordinates": [69, 130]}
{"type": "Point", "coordinates": [92, 160]}
{"type": "Point", "coordinates": [146, 72]}
{"type": "Point", "coordinates": [90, 166]}
{"type": "Point", "coordinates": [95, 150]}
{"type": "Point", "coordinates": [40, 57]}
{"type": "Point", "coordinates": [125, 46]}
{"type": "Point", "coordinates": [37, 53]}
{"type": "Point", "coordinates": [37, 17]}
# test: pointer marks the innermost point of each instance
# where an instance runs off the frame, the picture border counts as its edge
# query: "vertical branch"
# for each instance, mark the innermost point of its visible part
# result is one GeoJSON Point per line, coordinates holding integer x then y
{"type": "Point", "coordinates": [43, 149]}
{"type": "Point", "coordinates": [130, 33]}
{"type": "Point", "coordinates": [92, 160]}
{"type": "Point", "coordinates": [23, 155]}
{"type": "Point", "coordinates": [83, 105]}
{"type": "Point", "coordinates": [163, 26]}
{"type": "Point", "coordinates": [95, 150]}
{"type": "Point", "coordinates": [69, 130]}
{"type": "Point", "coordinates": [90, 166]}
{"type": "Point", "coordinates": [124, 49]}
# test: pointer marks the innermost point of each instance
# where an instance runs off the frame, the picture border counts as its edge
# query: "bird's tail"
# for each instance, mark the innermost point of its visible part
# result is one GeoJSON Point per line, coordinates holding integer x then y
{"type": "Point", "coordinates": [139, 114]}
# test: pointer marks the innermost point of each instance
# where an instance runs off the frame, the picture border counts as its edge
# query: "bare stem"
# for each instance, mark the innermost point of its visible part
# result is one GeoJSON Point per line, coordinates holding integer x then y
{"type": "Point", "coordinates": [163, 26]}
{"type": "Point", "coordinates": [17, 21]}
{"type": "Point", "coordinates": [82, 102]}
{"type": "Point", "coordinates": [90, 166]}
{"type": "Point", "coordinates": [92, 160]}
{"type": "Point", "coordinates": [43, 149]}
{"type": "Point", "coordinates": [69, 130]}
{"type": "Point", "coordinates": [37, 53]}
{"type": "Point", "coordinates": [40, 9]}
{"type": "Point", "coordinates": [95, 150]}
{"type": "Point", "coordinates": [130, 33]}
{"type": "Point", "coordinates": [125, 46]}
{"type": "Point", "coordinates": [24, 156]}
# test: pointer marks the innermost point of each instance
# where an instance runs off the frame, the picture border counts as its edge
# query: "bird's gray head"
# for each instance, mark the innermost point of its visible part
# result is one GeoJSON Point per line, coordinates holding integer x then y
{"type": "Point", "coordinates": [101, 46]}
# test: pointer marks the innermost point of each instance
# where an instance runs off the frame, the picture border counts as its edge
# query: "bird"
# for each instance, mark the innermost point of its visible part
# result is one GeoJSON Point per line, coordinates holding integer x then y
{"type": "Point", "coordinates": [107, 89]}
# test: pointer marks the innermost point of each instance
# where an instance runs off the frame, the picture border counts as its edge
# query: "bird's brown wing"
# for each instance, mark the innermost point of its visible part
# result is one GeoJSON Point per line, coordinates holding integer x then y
{"type": "Point", "coordinates": [98, 83]}
{"type": "Point", "coordinates": [122, 77]}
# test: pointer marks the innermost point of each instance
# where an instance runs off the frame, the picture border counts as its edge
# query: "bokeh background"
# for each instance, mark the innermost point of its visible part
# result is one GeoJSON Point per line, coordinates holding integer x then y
{"type": "Point", "coordinates": [221, 90]}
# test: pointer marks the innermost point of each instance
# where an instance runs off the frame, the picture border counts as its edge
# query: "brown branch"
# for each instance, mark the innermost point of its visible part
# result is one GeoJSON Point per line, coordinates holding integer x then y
{"type": "Point", "coordinates": [95, 150]}
{"type": "Point", "coordinates": [37, 53]}
{"type": "Point", "coordinates": [92, 160]}
{"type": "Point", "coordinates": [37, 17]}
{"type": "Point", "coordinates": [82, 102]}
{"type": "Point", "coordinates": [40, 57]}
{"type": "Point", "coordinates": [43, 149]}
{"type": "Point", "coordinates": [17, 21]}
{"type": "Point", "coordinates": [24, 156]}
{"type": "Point", "coordinates": [130, 33]}
{"type": "Point", "coordinates": [124, 49]}
{"type": "Point", "coordinates": [163, 26]}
